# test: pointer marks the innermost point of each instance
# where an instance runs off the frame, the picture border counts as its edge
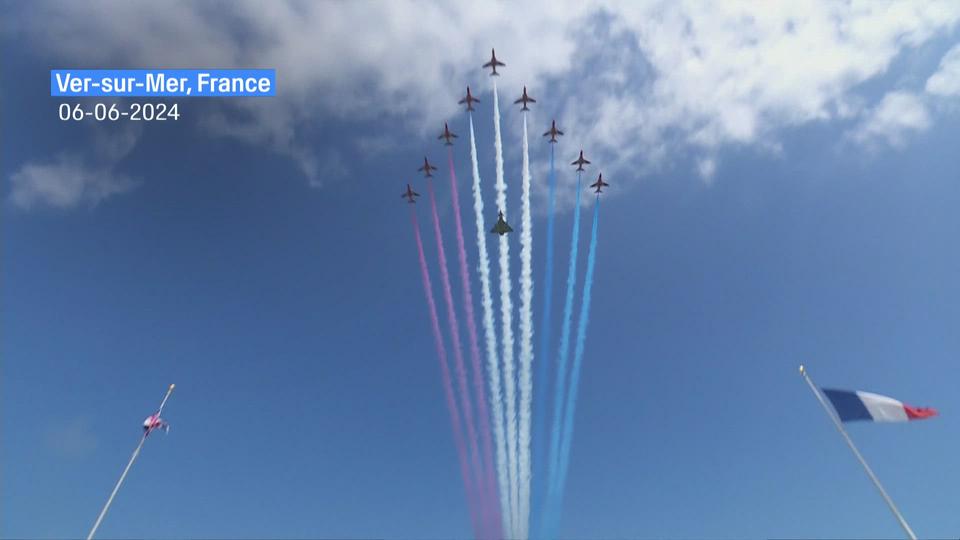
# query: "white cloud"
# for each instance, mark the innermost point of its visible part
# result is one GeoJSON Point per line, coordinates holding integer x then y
{"type": "Point", "coordinates": [635, 83]}
{"type": "Point", "coordinates": [946, 81]}
{"type": "Point", "coordinates": [65, 182]}
{"type": "Point", "coordinates": [375, 144]}
{"type": "Point", "coordinates": [331, 166]}
{"type": "Point", "coordinates": [897, 115]}
{"type": "Point", "coordinates": [707, 167]}
{"type": "Point", "coordinates": [69, 180]}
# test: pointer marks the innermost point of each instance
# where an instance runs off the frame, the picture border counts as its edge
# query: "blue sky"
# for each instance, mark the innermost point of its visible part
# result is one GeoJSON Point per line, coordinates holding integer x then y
{"type": "Point", "coordinates": [256, 254]}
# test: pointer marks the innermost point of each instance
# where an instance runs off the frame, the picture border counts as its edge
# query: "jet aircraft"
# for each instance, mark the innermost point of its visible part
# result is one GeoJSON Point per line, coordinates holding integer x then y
{"type": "Point", "coordinates": [427, 167]}
{"type": "Point", "coordinates": [469, 100]}
{"type": "Point", "coordinates": [501, 226]}
{"type": "Point", "coordinates": [553, 132]}
{"type": "Point", "coordinates": [525, 99]}
{"type": "Point", "coordinates": [580, 162]}
{"type": "Point", "coordinates": [493, 63]}
{"type": "Point", "coordinates": [447, 135]}
{"type": "Point", "coordinates": [410, 194]}
{"type": "Point", "coordinates": [599, 184]}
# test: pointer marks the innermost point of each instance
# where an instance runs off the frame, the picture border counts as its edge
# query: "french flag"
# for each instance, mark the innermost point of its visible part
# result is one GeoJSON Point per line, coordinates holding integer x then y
{"type": "Point", "coordinates": [857, 405]}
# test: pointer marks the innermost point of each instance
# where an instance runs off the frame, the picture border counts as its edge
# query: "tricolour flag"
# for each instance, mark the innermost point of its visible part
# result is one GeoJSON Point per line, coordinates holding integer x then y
{"type": "Point", "coordinates": [857, 405]}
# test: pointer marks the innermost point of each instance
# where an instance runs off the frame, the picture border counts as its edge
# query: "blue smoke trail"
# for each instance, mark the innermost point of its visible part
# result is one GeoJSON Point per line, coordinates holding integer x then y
{"type": "Point", "coordinates": [543, 371]}
{"type": "Point", "coordinates": [549, 504]}
{"type": "Point", "coordinates": [577, 362]}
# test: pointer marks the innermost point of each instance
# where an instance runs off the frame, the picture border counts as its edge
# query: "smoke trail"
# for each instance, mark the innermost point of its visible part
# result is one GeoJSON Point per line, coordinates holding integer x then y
{"type": "Point", "coordinates": [490, 336]}
{"type": "Point", "coordinates": [445, 376]}
{"type": "Point", "coordinates": [577, 361]}
{"type": "Point", "coordinates": [543, 372]}
{"type": "Point", "coordinates": [526, 339]}
{"type": "Point", "coordinates": [459, 369]}
{"type": "Point", "coordinates": [483, 411]}
{"type": "Point", "coordinates": [553, 464]}
{"type": "Point", "coordinates": [506, 316]}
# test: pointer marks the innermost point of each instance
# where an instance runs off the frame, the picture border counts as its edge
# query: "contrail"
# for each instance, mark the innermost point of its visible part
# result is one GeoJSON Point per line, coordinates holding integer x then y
{"type": "Point", "coordinates": [526, 338]}
{"type": "Point", "coordinates": [445, 376]}
{"type": "Point", "coordinates": [549, 503]}
{"type": "Point", "coordinates": [126, 469]}
{"type": "Point", "coordinates": [459, 366]}
{"type": "Point", "coordinates": [506, 315]}
{"type": "Point", "coordinates": [483, 411]}
{"type": "Point", "coordinates": [543, 372]}
{"type": "Point", "coordinates": [577, 362]}
{"type": "Point", "coordinates": [490, 335]}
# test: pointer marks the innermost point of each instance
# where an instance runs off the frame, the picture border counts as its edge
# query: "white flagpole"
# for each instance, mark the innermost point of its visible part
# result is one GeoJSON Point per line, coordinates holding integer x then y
{"type": "Point", "coordinates": [116, 488]}
{"type": "Point", "coordinates": [873, 477]}
{"type": "Point", "coordinates": [133, 458]}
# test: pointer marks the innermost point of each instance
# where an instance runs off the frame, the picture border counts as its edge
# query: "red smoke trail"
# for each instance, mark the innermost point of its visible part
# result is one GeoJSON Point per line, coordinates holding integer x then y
{"type": "Point", "coordinates": [483, 410]}
{"type": "Point", "coordinates": [445, 375]}
{"type": "Point", "coordinates": [459, 365]}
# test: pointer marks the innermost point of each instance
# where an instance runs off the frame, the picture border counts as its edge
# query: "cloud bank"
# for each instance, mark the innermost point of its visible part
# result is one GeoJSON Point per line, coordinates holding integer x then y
{"type": "Point", "coordinates": [70, 180]}
{"type": "Point", "coordinates": [638, 83]}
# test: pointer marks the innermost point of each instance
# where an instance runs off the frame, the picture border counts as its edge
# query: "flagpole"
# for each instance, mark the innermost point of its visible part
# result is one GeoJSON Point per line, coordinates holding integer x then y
{"type": "Point", "coordinates": [116, 488]}
{"type": "Point", "coordinates": [853, 448]}
{"type": "Point", "coordinates": [133, 458]}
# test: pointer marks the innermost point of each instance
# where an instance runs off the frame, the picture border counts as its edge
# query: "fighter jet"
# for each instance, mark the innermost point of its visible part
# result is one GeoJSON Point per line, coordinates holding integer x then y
{"type": "Point", "coordinates": [580, 162]}
{"type": "Point", "coordinates": [493, 63]}
{"type": "Point", "coordinates": [427, 167]}
{"type": "Point", "coordinates": [553, 132]}
{"type": "Point", "coordinates": [469, 100]}
{"type": "Point", "coordinates": [599, 184]}
{"type": "Point", "coordinates": [501, 226]}
{"type": "Point", "coordinates": [525, 99]}
{"type": "Point", "coordinates": [410, 194]}
{"type": "Point", "coordinates": [447, 134]}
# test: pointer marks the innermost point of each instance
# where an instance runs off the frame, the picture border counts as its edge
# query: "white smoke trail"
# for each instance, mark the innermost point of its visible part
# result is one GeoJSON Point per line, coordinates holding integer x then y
{"type": "Point", "coordinates": [526, 339]}
{"type": "Point", "coordinates": [490, 335]}
{"type": "Point", "coordinates": [506, 315]}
